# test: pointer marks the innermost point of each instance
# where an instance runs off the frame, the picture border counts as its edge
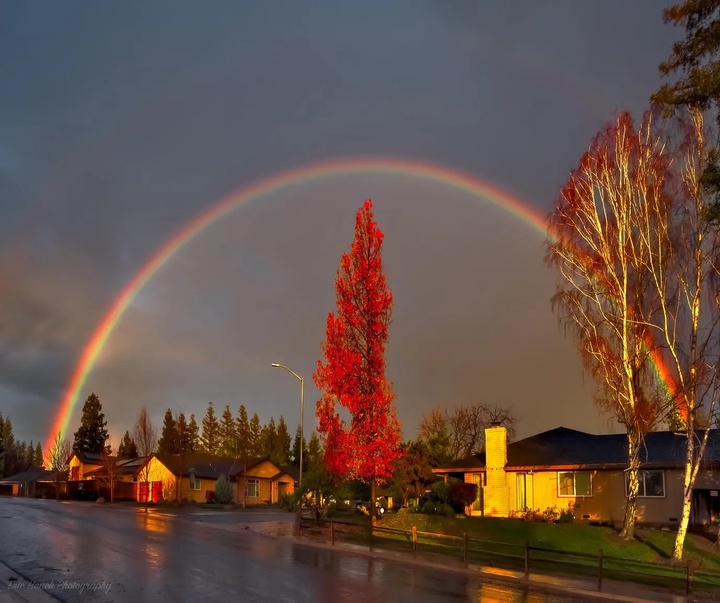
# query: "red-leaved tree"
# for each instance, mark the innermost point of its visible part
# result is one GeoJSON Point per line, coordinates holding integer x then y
{"type": "Point", "coordinates": [353, 374]}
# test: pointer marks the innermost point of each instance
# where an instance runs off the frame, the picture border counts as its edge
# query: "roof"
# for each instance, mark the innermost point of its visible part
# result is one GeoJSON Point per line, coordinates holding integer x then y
{"type": "Point", "coordinates": [563, 447]}
{"type": "Point", "coordinates": [208, 466]}
{"type": "Point", "coordinates": [122, 467]}
{"type": "Point", "coordinates": [89, 458]}
{"type": "Point", "coordinates": [34, 474]}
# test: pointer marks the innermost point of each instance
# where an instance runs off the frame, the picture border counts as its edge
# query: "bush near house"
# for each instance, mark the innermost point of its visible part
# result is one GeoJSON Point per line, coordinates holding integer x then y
{"type": "Point", "coordinates": [223, 491]}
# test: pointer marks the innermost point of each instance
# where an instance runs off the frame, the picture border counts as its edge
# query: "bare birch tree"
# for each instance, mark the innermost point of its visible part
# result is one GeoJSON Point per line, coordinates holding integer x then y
{"type": "Point", "coordinates": [682, 255]}
{"type": "Point", "coordinates": [145, 436]}
{"type": "Point", "coordinates": [57, 458]}
{"type": "Point", "coordinates": [595, 245]}
{"type": "Point", "coordinates": [109, 470]}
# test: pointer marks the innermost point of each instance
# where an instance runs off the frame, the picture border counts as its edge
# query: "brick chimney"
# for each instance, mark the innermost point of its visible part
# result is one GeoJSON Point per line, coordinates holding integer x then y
{"type": "Point", "coordinates": [496, 490]}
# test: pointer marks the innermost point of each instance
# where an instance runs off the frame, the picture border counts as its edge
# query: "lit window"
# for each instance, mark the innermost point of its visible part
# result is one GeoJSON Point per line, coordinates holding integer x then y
{"type": "Point", "coordinates": [194, 482]}
{"type": "Point", "coordinates": [651, 483]}
{"type": "Point", "coordinates": [574, 483]}
{"type": "Point", "coordinates": [252, 490]}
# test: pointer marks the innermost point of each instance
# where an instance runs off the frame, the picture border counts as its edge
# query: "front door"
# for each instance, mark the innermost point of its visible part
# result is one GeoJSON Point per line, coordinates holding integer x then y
{"type": "Point", "coordinates": [156, 491]}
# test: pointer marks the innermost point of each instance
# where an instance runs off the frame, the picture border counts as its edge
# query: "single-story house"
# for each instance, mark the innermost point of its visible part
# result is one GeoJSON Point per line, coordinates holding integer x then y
{"type": "Point", "coordinates": [587, 473]}
{"type": "Point", "coordinates": [193, 476]}
{"type": "Point", "coordinates": [34, 481]}
{"type": "Point", "coordinates": [89, 476]}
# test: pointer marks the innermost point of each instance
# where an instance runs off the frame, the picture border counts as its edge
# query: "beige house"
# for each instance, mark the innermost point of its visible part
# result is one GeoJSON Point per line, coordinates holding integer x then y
{"type": "Point", "coordinates": [193, 476]}
{"type": "Point", "coordinates": [587, 473]}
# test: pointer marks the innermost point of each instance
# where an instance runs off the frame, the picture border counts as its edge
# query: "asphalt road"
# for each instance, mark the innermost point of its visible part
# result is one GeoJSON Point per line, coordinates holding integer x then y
{"type": "Point", "coordinates": [129, 555]}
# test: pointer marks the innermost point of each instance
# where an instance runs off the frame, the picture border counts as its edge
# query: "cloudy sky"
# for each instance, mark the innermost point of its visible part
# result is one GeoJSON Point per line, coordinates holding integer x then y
{"type": "Point", "coordinates": [121, 121]}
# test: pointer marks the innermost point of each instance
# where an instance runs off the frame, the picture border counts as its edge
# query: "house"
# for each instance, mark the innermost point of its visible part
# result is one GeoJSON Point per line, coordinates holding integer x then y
{"type": "Point", "coordinates": [587, 473]}
{"type": "Point", "coordinates": [36, 481]}
{"type": "Point", "coordinates": [89, 476]}
{"type": "Point", "coordinates": [193, 476]}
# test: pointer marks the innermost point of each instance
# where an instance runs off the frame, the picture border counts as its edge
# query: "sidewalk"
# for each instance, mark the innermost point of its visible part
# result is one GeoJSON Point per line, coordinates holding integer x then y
{"type": "Point", "coordinates": [577, 588]}
{"type": "Point", "coordinates": [15, 589]}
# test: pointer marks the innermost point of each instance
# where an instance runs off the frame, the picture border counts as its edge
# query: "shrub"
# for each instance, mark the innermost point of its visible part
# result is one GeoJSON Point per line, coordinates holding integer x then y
{"type": "Point", "coordinates": [223, 491]}
{"type": "Point", "coordinates": [462, 495]}
{"type": "Point", "coordinates": [566, 516]}
{"type": "Point", "coordinates": [551, 515]}
{"type": "Point", "coordinates": [432, 507]}
{"type": "Point", "coordinates": [440, 491]}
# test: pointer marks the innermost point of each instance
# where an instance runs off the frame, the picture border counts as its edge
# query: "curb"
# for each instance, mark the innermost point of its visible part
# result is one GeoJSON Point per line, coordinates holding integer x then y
{"type": "Point", "coordinates": [536, 582]}
{"type": "Point", "coordinates": [21, 588]}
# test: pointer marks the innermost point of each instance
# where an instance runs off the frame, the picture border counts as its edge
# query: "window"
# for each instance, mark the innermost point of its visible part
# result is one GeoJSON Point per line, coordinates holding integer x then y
{"type": "Point", "coordinates": [252, 490]}
{"type": "Point", "coordinates": [651, 483]}
{"type": "Point", "coordinates": [194, 482]}
{"type": "Point", "coordinates": [574, 483]}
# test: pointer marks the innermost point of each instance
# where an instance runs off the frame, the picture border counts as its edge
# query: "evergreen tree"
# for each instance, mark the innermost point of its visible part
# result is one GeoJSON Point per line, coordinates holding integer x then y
{"type": "Point", "coordinates": [228, 435]}
{"type": "Point", "coordinates": [2, 446]}
{"type": "Point", "coordinates": [183, 434]}
{"type": "Point", "coordinates": [8, 459]}
{"type": "Point", "coordinates": [223, 491]}
{"type": "Point", "coordinates": [193, 435]}
{"type": "Point", "coordinates": [269, 439]}
{"type": "Point", "coordinates": [242, 429]}
{"type": "Point", "coordinates": [92, 433]}
{"type": "Point", "coordinates": [315, 453]}
{"type": "Point", "coordinates": [127, 448]}
{"type": "Point", "coordinates": [255, 437]}
{"type": "Point", "coordinates": [31, 455]}
{"type": "Point", "coordinates": [296, 450]}
{"type": "Point", "coordinates": [168, 443]}
{"type": "Point", "coordinates": [39, 456]}
{"type": "Point", "coordinates": [210, 440]}
{"type": "Point", "coordinates": [282, 443]}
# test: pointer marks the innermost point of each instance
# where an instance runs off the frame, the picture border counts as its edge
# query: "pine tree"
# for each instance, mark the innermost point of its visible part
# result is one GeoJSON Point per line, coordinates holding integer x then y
{"type": "Point", "coordinates": [268, 439]}
{"type": "Point", "coordinates": [183, 434]}
{"type": "Point", "coordinates": [228, 435]}
{"type": "Point", "coordinates": [127, 448]}
{"type": "Point", "coordinates": [39, 456]}
{"type": "Point", "coordinates": [2, 446]}
{"type": "Point", "coordinates": [92, 433]}
{"type": "Point", "coordinates": [315, 452]}
{"type": "Point", "coordinates": [282, 444]}
{"type": "Point", "coordinates": [168, 443]}
{"type": "Point", "coordinates": [8, 464]}
{"type": "Point", "coordinates": [223, 491]}
{"type": "Point", "coordinates": [296, 450]}
{"type": "Point", "coordinates": [255, 440]}
{"type": "Point", "coordinates": [210, 439]}
{"type": "Point", "coordinates": [242, 429]}
{"type": "Point", "coordinates": [193, 435]}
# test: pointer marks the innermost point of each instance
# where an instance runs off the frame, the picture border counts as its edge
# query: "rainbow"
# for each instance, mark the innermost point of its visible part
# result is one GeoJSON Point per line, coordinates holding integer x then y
{"type": "Point", "coordinates": [304, 174]}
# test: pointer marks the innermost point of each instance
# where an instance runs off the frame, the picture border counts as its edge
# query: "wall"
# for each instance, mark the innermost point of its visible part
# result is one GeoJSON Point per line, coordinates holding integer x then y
{"type": "Point", "coordinates": [155, 471]}
{"type": "Point", "coordinates": [75, 462]}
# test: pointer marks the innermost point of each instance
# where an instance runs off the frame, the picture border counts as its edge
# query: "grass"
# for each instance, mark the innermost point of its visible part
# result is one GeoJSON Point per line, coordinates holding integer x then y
{"type": "Point", "coordinates": [621, 559]}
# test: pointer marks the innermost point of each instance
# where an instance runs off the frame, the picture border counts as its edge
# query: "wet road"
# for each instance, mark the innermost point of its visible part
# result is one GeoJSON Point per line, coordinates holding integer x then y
{"type": "Point", "coordinates": [133, 556]}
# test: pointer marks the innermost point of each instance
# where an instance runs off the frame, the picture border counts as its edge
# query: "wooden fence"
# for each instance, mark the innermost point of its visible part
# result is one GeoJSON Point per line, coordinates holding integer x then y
{"type": "Point", "coordinates": [520, 557]}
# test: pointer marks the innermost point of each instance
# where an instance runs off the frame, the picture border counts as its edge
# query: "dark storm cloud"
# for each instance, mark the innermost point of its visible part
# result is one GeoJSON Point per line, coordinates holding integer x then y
{"type": "Point", "coordinates": [121, 121]}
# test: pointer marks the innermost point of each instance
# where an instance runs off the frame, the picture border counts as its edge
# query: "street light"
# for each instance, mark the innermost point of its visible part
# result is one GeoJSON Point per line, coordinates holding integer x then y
{"type": "Point", "coordinates": [302, 413]}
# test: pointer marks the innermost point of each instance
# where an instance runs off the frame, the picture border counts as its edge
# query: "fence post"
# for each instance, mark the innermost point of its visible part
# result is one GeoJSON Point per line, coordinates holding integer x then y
{"type": "Point", "coordinates": [600, 569]}
{"type": "Point", "coordinates": [689, 577]}
{"type": "Point", "coordinates": [527, 558]}
{"type": "Point", "coordinates": [414, 540]}
{"type": "Point", "coordinates": [332, 533]}
{"type": "Point", "coordinates": [465, 548]}
{"type": "Point", "coordinates": [370, 529]}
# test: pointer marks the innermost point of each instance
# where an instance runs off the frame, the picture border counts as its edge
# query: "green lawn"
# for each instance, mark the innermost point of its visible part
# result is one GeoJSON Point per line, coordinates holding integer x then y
{"type": "Point", "coordinates": [652, 547]}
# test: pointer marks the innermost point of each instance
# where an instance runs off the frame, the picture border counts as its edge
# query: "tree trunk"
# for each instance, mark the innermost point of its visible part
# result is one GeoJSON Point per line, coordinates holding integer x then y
{"type": "Point", "coordinates": [688, 483]}
{"type": "Point", "coordinates": [628, 529]}
{"type": "Point", "coordinates": [373, 507]}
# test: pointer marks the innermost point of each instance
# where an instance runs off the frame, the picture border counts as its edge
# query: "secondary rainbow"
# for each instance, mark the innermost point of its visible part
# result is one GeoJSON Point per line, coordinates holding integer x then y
{"type": "Point", "coordinates": [304, 174]}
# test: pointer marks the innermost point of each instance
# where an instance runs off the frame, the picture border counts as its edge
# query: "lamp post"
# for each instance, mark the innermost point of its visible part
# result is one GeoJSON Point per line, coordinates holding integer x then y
{"type": "Point", "coordinates": [302, 414]}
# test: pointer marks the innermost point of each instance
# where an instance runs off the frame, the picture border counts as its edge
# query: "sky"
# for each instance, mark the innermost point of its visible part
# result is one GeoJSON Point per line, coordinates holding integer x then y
{"type": "Point", "coordinates": [122, 121]}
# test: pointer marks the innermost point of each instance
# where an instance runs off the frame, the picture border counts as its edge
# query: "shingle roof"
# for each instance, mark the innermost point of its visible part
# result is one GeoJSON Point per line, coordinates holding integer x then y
{"type": "Point", "coordinates": [122, 467]}
{"type": "Point", "coordinates": [34, 475]}
{"type": "Point", "coordinates": [563, 447]}
{"type": "Point", "coordinates": [208, 466]}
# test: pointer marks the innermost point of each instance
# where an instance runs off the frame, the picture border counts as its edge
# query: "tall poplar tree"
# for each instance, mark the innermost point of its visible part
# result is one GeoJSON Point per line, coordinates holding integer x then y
{"type": "Point", "coordinates": [92, 434]}
{"type": "Point", "coordinates": [353, 373]}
